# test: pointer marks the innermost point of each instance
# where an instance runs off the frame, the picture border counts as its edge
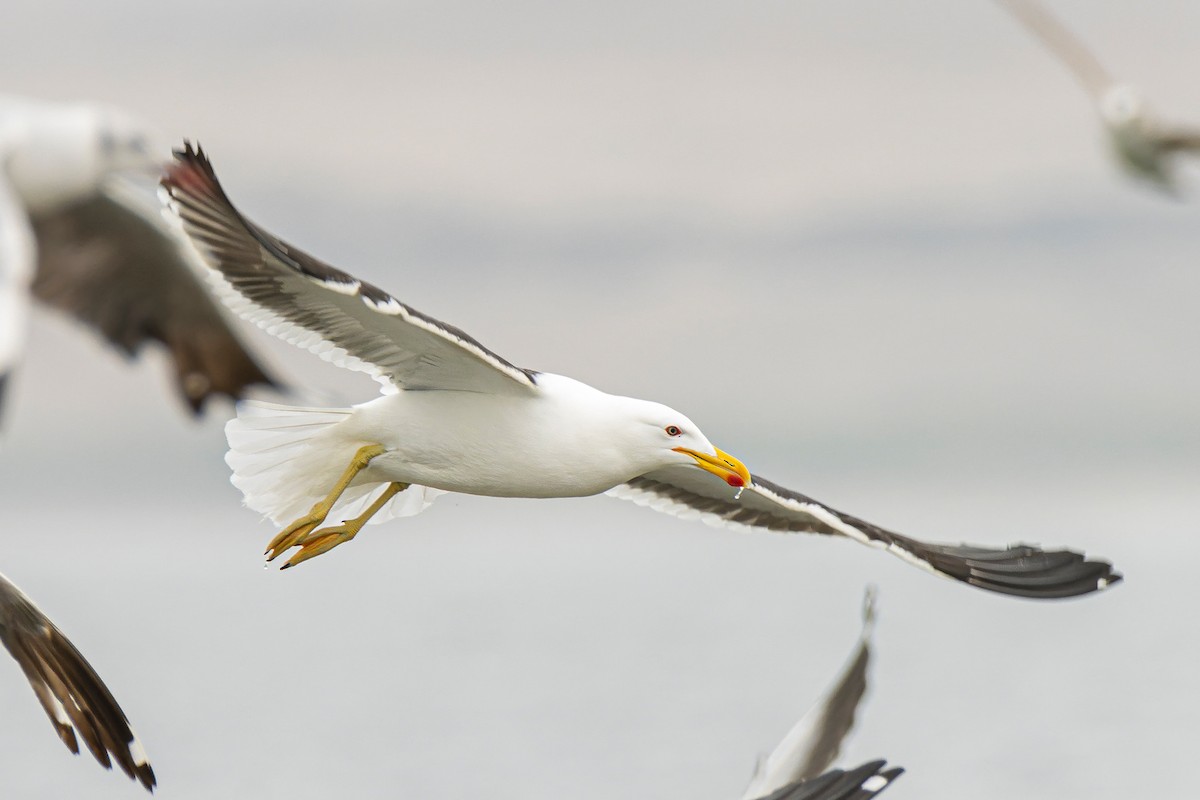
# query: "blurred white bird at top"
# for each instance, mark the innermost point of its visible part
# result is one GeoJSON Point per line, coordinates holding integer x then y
{"type": "Point", "coordinates": [88, 245]}
{"type": "Point", "coordinates": [1143, 144]}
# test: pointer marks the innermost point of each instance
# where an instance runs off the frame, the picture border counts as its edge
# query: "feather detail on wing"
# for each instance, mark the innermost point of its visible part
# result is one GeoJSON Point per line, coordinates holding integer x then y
{"type": "Point", "coordinates": [71, 693]}
{"type": "Point", "coordinates": [1020, 569]}
{"type": "Point", "coordinates": [318, 307]}
{"type": "Point", "coordinates": [125, 275]}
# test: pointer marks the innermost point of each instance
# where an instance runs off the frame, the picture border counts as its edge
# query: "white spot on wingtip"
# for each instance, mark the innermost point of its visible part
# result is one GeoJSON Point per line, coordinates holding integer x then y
{"type": "Point", "coordinates": [875, 783]}
{"type": "Point", "coordinates": [60, 713]}
{"type": "Point", "coordinates": [137, 752]}
{"type": "Point", "coordinates": [1102, 584]}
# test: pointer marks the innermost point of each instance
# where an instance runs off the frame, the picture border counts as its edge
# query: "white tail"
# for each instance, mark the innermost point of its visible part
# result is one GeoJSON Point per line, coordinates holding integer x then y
{"type": "Point", "coordinates": [286, 458]}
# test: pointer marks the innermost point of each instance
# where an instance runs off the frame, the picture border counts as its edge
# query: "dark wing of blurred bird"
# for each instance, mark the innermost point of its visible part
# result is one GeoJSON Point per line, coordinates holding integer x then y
{"type": "Point", "coordinates": [813, 743]}
{"type": "Point", "coordinates": [125, 275]}
{"type": "Point", "coordinates": [73, 696]}
{"type": "Point", "coordinates": [1141, 142]}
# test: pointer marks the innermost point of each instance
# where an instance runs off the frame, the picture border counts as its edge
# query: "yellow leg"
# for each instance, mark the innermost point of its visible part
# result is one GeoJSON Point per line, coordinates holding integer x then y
{"type": "Point", "coordinates": [293, 534]}
{"type": "Point", "coordinates": [324, 540]}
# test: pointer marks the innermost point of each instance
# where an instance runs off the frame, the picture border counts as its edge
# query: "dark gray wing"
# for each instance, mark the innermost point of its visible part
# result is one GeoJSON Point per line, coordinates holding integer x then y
{"type": "Point", "coordinates": [1021, 569]}
{"type": "Point", "coordinates": [860, 783]}
{"type": "Point", "coordinates": [72, 694]}
{"type": "Point", "coordinates": [814, 742]}
{"type": "Point", "coordinates": [125, 275]}
{"type": "Point", "coordinates": [320, 308]}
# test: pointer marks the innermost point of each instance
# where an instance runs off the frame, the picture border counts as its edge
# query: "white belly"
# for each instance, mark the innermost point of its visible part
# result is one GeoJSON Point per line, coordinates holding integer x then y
{"type": "Point", "coordinates": [485, 444]}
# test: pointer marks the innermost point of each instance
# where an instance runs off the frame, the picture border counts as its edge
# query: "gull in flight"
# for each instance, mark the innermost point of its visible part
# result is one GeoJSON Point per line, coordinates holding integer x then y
{"type": "Point", "coordinates": [81, 242]}
{"type": "Point", "coordinates": [1143, 144]}
{"type": "Point", "coordinates": [456, 417]}
{"type": "Point", "coordinates": [73, 696]}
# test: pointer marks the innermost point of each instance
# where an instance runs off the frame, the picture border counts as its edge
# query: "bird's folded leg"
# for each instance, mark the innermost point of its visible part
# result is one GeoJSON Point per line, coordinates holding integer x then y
{"type": "Point", "coordinates": [295, 533]}
{"type": "Point", "coordinates": [324, 540]}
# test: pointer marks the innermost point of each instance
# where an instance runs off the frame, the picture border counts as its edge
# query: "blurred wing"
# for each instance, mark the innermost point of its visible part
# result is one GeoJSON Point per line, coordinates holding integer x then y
{"type": "Point", "coordinates": [317, 307]}
{"type": "Point", "coordinates": [814, 742]}
{"type": "Point", "coordinates": [1020, 569]}
{"type": "Point", "coordinates": [124, 274]}
{"type": "Point", "coordinates": [1174, 140]}
{"type": "Point", "coordinates": [70, 691]}
{"type": "Point", "coordinates": [860, 783]}
{"type": "Point", "coordinates": [16, 271]}
{"type": "Point", "coordinates": [1062, 43]}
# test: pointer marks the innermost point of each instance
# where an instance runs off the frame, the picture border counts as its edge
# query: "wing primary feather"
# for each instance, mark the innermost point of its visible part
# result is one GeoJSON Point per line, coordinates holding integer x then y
{"type": "Point", "coordinates": [69, 690]}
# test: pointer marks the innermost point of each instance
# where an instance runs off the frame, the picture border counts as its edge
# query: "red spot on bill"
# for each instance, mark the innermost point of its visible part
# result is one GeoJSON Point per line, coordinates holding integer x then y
{"type": "Point", "coordinates": [735, 481]}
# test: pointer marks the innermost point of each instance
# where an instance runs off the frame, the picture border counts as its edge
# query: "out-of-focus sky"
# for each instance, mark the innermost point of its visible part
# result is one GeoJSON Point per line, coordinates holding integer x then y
{"type": "Point", "coordinates": [876, 250]}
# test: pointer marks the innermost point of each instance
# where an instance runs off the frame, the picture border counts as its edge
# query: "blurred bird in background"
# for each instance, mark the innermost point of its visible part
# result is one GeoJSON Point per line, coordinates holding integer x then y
{"type": "Point", "coordinates": [813, 743]}
{"type": "Point", "coordinates": [1142, 143]}
{"type": "Point", "coordinates": [79, 241]}
{"type": "Point", "coordinates": [83, 243]}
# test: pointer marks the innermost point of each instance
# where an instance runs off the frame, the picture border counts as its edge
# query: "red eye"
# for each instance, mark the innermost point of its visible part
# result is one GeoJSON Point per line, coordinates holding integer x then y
{"type": "Point", "coordinates": [673, 430]}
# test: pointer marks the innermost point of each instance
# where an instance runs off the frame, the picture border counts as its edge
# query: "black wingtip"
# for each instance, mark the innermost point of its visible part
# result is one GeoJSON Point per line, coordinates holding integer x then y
{"type": "Point", "coordinates": [146, 777]}
{"type": "Point", "coordinates": [190, 152]}
{"type": "Point", "coordinates": [858, 783]}
{"type": "Point", "coordinates": [1020, 570]}
{"type": "Point", "coordinates": [191, 172]}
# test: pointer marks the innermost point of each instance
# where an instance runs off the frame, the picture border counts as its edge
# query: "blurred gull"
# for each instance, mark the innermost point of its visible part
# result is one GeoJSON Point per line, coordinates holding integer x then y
{"type": "Point", "coordinates": [70, 691]}
{"type": "Point", "coordinates": [456, 417]}
{"type": "Point", "coordinates": [1142, 143]}
{"type": "Point", "coordinates": [813, 743]}
{"type": "Point", "coordinates": [97, 250]}
{"type": "Point", "coordinates": [77, 241]}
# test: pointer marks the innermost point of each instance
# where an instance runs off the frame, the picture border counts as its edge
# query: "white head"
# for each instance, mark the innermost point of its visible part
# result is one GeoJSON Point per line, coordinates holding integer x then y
{"type": "Point", "coordinates": [610, 439]}
{"type": "Point", "coordinates": [125, 143]}
{"type": "Point", "coordinates": [68, 150]}
{"type": "Point", "coordinates": [1122, 105]}
{"type": "Point", "coordinates": [660, 436]}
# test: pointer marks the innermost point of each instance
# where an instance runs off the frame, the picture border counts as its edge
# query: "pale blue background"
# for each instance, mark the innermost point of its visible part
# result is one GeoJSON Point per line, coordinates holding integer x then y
{"type": "Point", "coordinates": [875, 249]}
